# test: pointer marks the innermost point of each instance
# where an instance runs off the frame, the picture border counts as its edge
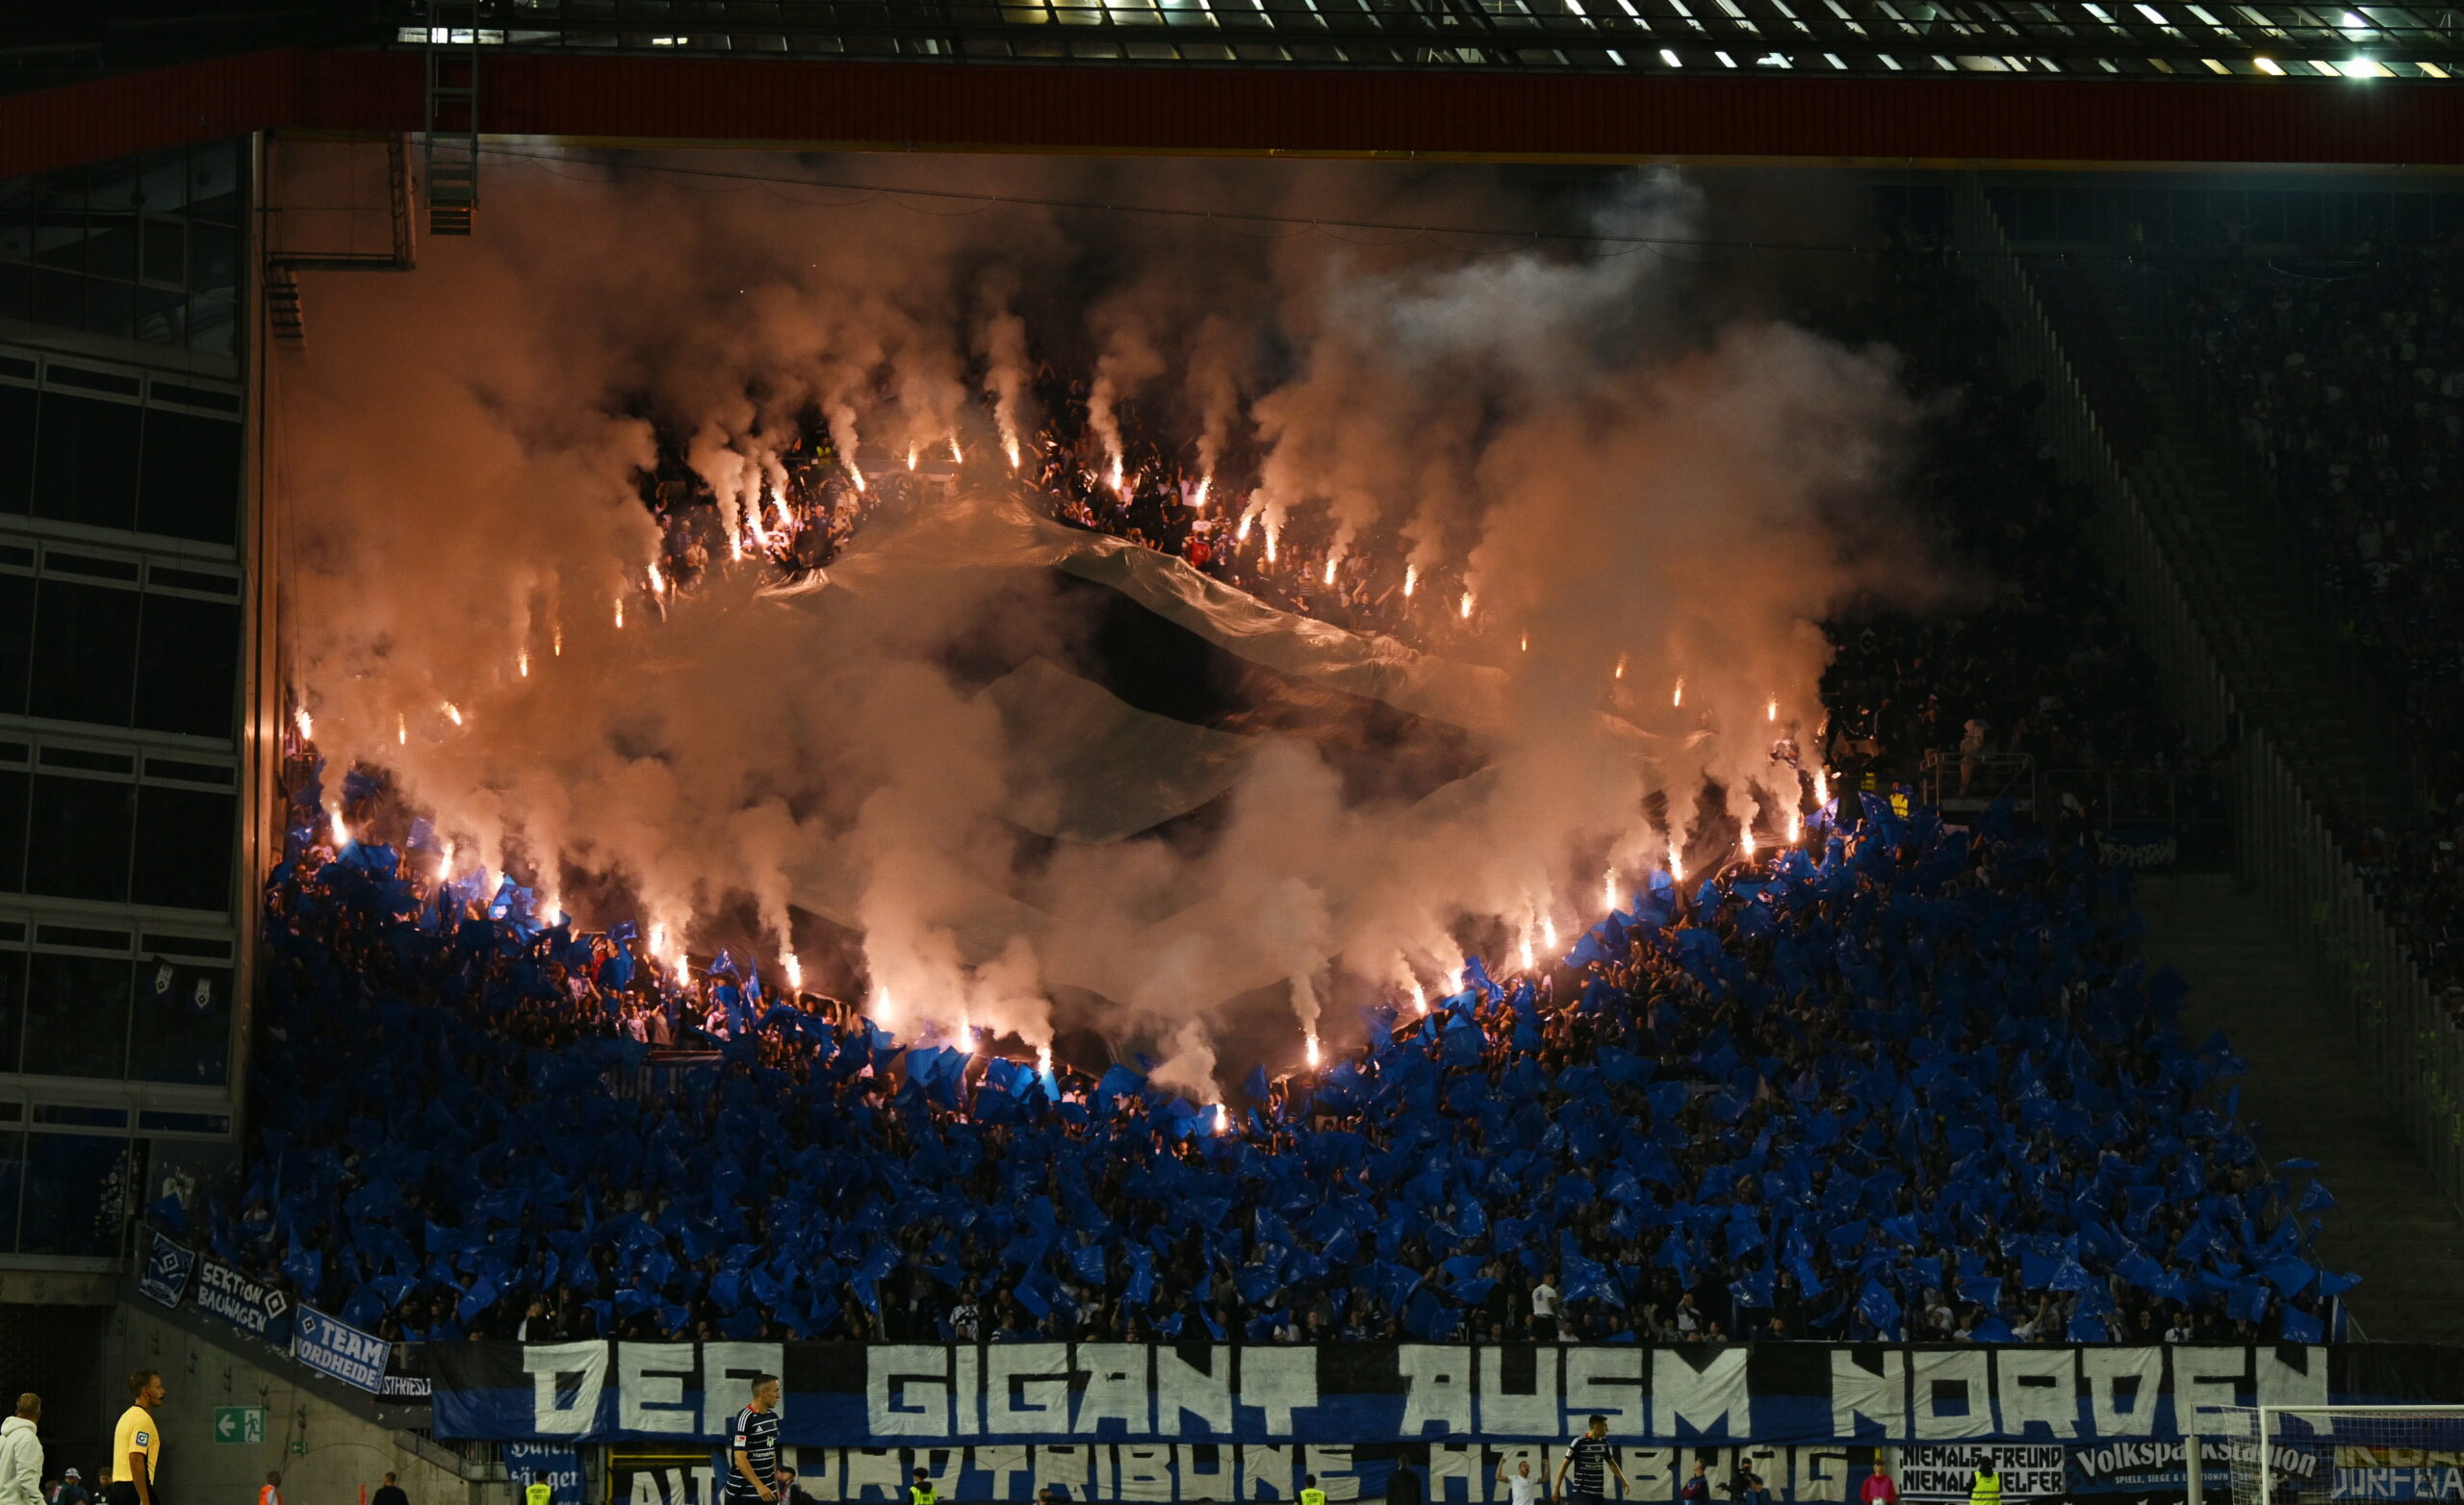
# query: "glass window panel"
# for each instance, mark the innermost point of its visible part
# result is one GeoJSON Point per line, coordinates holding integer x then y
{"type": "Point", "coordinates": [16, 447]}
{"type": "Point", "coordinates": [111, 245]}
{"type": "Point", "coordinates": [13, 1181]}
{"type": "Point", "coordinates": [77, 839]}
{"type": "Point", "coordinates": [189, 485]}
{"type": "Point", "coordinates": [188, 665]}
{"type": "Point", "coordinates": [166, 251]}
{"type": "Point", "coordinates": [76, 1015]}
{"type": "Point", "coordinates": [214, 258]}
{"type": "Point", "coordinates": [12, 1018]}
{"type": "Point", "coordinates": [184, 848]}
{"type": "Point", "coordinates": [85, 659]}
{"type": "Point", "coordinates": [14, 785]}
{"type": "Point", "coordinates": [76, 1199]}
{"type": "Point", "coordinates": [86, 459]}
{"type": "Point", "coordinates": [183, 1023]}
{"type": "Point", "coordinates": [17, 641]}
{"type": "Point", "coordinates": [110, 309]}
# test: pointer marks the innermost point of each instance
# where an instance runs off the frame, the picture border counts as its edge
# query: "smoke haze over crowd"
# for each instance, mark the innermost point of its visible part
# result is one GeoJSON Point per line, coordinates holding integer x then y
{"type": "Point", "coordinates": [1613, 495]}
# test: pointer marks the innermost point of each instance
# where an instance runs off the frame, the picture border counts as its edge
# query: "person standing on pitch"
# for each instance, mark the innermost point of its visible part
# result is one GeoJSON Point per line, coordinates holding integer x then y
{"type": "Point", "coordinates": [1587, 1459]}
{"type": "Point", "coordinates": [1523, 1487]}
{"type": "Point", "coordinates": [752, 1447]}
{"type": "Point", "coordinates": [540, 1491]}
{"type": "Point", "coordinates": [21, 1453]}
{"type": "Point", "coordinates": [920, 1493]}
{"type": "Point", "coordinates": [1987, 1487]}
{"type": "Point", "coordinates": [389, 1494]}
{"type": "Point", "coordinates": [136, 1444]}
{"type": "Point", "coordinates": [1310, 1493]}
{"type": "Point", "coordinates": [1879, 1487]}
{"type": "Point", "coordinates": [271, 1493]}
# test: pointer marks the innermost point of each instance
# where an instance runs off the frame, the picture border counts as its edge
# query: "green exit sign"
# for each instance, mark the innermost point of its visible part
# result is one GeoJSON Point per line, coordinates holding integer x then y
{"type": "Point", "coordinates": [240, 1424]}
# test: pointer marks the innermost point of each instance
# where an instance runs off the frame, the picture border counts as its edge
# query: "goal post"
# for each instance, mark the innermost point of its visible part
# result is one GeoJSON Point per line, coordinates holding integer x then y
{"type": "Point", "coordinates": [2310, 1455]}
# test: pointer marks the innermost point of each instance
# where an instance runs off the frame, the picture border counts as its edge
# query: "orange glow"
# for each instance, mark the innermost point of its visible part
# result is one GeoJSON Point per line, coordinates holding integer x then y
{"type": "Point", "coordinates": [1678, 699]}
{"type": "Point", "coordinates": [1411, 580]}
{"type": "Point", "coordinates": [453, 713]}
{"type": "Point", "coordinates": [1466, 605]}
{"type": "Point", "coordinates": [1311, 1046]}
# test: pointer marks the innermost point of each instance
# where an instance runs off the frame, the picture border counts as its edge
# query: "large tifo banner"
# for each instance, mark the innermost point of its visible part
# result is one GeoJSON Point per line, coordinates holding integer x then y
{"type": "Point", "coordinates": [1776, 1394]}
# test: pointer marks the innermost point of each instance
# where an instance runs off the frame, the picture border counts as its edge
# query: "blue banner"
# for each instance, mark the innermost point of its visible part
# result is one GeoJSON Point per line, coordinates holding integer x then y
{"type": "Point", "coordinates": [167, 1272]}
{"type": "Point", "coordinates": [252, 1306]}
{"type": "Point", "coordinates": [331, 1346]}
{"type": "Point", "coordinates": [1800, 1394]}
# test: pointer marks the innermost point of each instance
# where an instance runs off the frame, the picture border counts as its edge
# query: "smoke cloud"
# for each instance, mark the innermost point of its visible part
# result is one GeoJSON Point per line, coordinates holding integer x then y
{"type": "Point", "coordinates": [1598, 495]}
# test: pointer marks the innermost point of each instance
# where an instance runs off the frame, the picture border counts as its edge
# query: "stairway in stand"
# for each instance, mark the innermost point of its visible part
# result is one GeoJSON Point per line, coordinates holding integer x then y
{"type": "Point", "coordinates": [2314, 1098]}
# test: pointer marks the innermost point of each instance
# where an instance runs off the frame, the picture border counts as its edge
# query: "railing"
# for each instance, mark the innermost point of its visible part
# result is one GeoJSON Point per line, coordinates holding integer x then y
{"type": "Point", "coordinates": [2287, 853]}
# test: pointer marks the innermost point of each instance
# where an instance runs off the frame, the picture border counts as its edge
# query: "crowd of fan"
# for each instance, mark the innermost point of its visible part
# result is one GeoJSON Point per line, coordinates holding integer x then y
{"type": "Point", "coordinates": [2042, 665]}
{"type": "Point", "coordinates": [1907, 1084]}
{"type": "Point", "coordinates": [2349, 381]}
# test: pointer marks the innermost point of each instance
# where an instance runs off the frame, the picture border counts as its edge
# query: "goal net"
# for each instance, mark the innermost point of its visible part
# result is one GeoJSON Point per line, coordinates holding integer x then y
{"type": "Point", "coordinates": [2293, 1455]}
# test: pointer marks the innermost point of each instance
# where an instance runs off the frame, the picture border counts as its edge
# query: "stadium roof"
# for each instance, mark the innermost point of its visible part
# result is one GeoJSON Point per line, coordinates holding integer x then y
{"type": "Point", "coordinates": [2158, 40]}
{"type": "Point", "coordinates": [2152, 40]}
{"type": "Point", "coordinates": [1900, 81]}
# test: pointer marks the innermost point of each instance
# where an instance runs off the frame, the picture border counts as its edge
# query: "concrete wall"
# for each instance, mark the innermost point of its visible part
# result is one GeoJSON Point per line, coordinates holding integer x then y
{"type": "Point", "coordinates": [345, 1450]}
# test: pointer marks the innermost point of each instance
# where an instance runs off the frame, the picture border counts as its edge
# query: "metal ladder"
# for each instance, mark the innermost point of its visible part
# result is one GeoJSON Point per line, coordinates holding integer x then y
{"type": "Point", "coordinates": [451, 155]}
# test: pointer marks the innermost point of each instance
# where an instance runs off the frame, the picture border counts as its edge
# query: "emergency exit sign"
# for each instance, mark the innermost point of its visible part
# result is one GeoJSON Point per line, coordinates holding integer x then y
{"type": "Point", "coordinates": [240, 1423]}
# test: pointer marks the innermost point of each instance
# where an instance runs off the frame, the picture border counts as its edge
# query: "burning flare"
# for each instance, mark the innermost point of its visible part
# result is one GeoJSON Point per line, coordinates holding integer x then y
{"type": "Point", "coordinates": [659, 582]}
{"type": "Point", "coordinates": [1010, 445]}
{"type": "Point", "coordinates": [620, 613]}
{"type": "Point", "coordinates": [444, 864]}
{"type": "Point", "coordinates": [1676, 862]}
{"type": "Point", "coordinates": [1745, 838]}
{"type": "Point", "coordinates": [1608, 890]}
{"type": "Point", "coordinates": [795, 971]}
{"type": "Point", "coordinates": [958, 456]}
{"type": "Point", "coordinates": [300, 719]}
{"type": "Point", "coordinates": [1619, 673]}
{"type": "Point", "coordinates": [1330, 570]}
{"type": "Point", "coordinates": [453, 713]}
{"type": "Point", "coordinates": [1771, 712]}
{"type": "Point", "coordinates": [1411, 580]}
{"type": "Point", "coordinates": [1822, 786]}
{"type": "Point", "coordinates": [1197, 503]}
{"type": "Point", "coordinates": [1796, 827]}
{"type": "Point", "coordinates": [1678, 699]}
{"type": "Point", "coordinates": [1223, 1120]}
{"type": "Point", "coordinates": [1120, 477]}
{"type": "Point", "coordinates": [1310, 1045]}
{"type": "Point", "coordinates": [401, 730]}
{"type": "Point", "coordinates": [341, 832]}
{"type": "Point", "coordinates": [1466, 605]}
{"type": "Point", "coordinates": [522, 664]}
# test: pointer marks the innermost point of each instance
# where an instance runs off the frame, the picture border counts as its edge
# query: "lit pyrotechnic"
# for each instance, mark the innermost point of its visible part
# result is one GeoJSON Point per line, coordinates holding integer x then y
{"type": "Point", "coordinates": [1771, 712]}
{"type": "Point", "coordinates": [445, 863]}
{"type": "Point", "coordinates": [453, 713]}
{"type": "Point", "coordinates": [1466, 605]}
{"type": "Point", "coordinates": [1796, 827]}
{"type": "Point", "coordinates": [958, 456]}
{"type": "Point", "coordinates": [522, 663]}
{"type": "Point", "coordinates": [342, 830]}
{"type": "Point", "coordinates": [1822, 786]}
{"type": "Point", "coordinates": [307, 725]}
{"type": "Point", "coordinates": [1310, 1045]}
{"type": "Point", "coordinates": [659, 582]}
{"type": "Point", "coordinates": [1411, 580]}
{"type": "Point", "coordinates": [1678, 699]}
{"type": "Point", "coordinates": [1205, 483]}
{"type": "Point", "coordinates": [1619, 673]}
{"type": "Point", "coordinates": [401, 730]}
{"type": "Point", "coordinates": [795, 971]}
{"type": "Point", "coordinates": [1745, 838]}
{"type": "Point", "coordinates": [620, 613]}
{"type": "Point", "coordinates": [1330, 570]}
{"type": "Point", "coordinates": [1609, 891]}
{"type": "Point", "coordinates": [1223, 1120]}
{"type": "Point", "coordinates": [1119, 476]}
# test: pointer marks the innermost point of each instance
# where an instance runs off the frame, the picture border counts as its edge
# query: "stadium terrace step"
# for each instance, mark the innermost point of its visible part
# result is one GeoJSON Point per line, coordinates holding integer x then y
{"type": "Point", "coordinates": [2314, 1097]}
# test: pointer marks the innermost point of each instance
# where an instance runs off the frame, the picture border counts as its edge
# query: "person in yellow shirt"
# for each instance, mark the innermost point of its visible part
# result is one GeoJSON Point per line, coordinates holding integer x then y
{"type": "Point", "coordinates": [136, 1444]}
{"type": "Point", "coordinates": [1310, 1493]}
{"type": "Point", "coordinates": [539, 1493]}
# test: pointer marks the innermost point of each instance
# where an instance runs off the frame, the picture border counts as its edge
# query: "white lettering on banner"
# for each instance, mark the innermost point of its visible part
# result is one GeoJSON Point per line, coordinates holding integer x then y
{"type": "Point", "coordinates": [1439, 1383]}
{"type": "Point", "coordinates": [1144, 1474]}
{"type": "Point", "coordinates": [1206, 1470]}
{"type": "Point", "coordinates": [1003, 1462]}
{"type": "Point", "coordinates": [1605, 1382]}
{"type": "Point", "coordinates": [1449, 1463]}
{"type": "Point", "coordinates": [907, 1389]}
{"type": "Point", "coordinates": [1026, 1388]}
{"type": "Point", "coordinates": [2281, 1383]}
{"type": "Point", "coordinates": [1861, 1395]}
{"type": "Point", "coordinates": [1116, 1391]}
{"type": "Point", "coordinates": [1278, 1382]}
{"type": "Point", "coordinates": [1072, 1466]}
{"type": "Point", "coordinates": [2037, 1388]}
{"type": "Point", "coordinates": [1180, 1385]}
{"type": "Point", "coordinates": [1712, 1401]}
{"type": "Point", "coordinates": [2123, 1384]}
{"type": "Point", "coordinates": [1273, 1469]}
{"type": "Point", "coordinates": [1950, 1394]}
{"type": "Point", "coordinates": [1652, 1473]}
{"type": "Point", "coordinates": [650, 1388]}
{"type": "Point", "coordinates": [1534, 1411]}
{"type": "Point", "coordinates": [870, 1468]}
{"type": "Point", "coordinates": [971, 1390]}
{"type": "Point", "coordinates": [2207, 1379]}
{"type": "Point", "coordinates": [2029, 1470]}
{"type": "Point", "coordinates": [547, 1365]}
{"type": "Point", "coordinates": [1817, 1475]}
{"type": "Point", "coordinates": [1331, 1463]}
{"type": "Point", "coordinates": [728, 1370]}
